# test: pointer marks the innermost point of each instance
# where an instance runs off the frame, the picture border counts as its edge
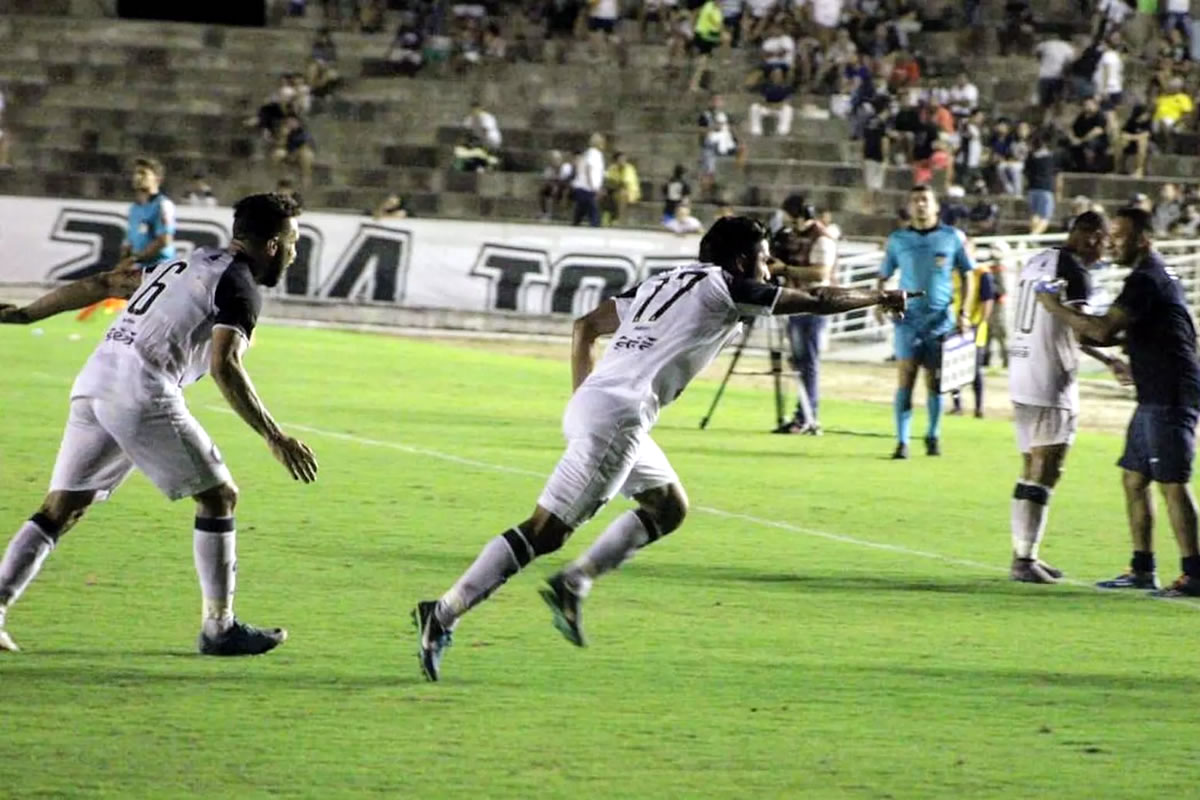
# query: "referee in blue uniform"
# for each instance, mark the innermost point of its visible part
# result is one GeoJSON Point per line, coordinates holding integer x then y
{"type": "Point", "coordinates": [151, 235]}
{"type": "Point", "coordinates": [925, 254]}
{"type": "Point", "coordinates": [1151, 317]}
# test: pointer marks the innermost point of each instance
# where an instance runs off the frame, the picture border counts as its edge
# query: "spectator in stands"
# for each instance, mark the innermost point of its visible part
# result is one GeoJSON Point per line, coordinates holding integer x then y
{"type": "Point", "coordinates": [272, 113]}
{"type": "Point", "coordinates": [1167, 210]}
{"type": "Point", "coordinates": [906, 73]}
{"type": "Point", "coordinates": [1041, 173]}
{"type": "Point", "coordinates": [556, 184]}
{"type": "Point", "coordinates": [4, 162]}
{"type": "Point", "coordinates": [778, 52]}
{"type": "Point", "coordinates": [755, 25]}
{"type": "Point", "coordinates": [675, 191]}
{"type": "Point", "coordinates": [969, 158]}
{"type": "Point", "coordinates": [732, 11]}
{"type": "Point", "coordinates": [560, 16]}
{"type": "Point", "coordinates": [1013, 167]}
{"type": "Point", "coordinates": [470, 155]}
{"type": "Point", "coordinates": [683, 223]}
{"type": "Point", "coordinates": [710, 22]}
{"type": "Point", "coordinates": [199, 193]}
{"type": "Point", "coordinates": [482, 124]}
{"type": "Point", "coordinates": [836, 58]}
{"type": "Point", "coordinates": [369, 17]}
{"type": "Point", "coordinates": [322, 71]}
{"type": "Point", "coordinates": [955, 211]}
{"type": "Point", "coordinates": [776, 97]}
{"type": "Point", "coordinates": [1089, 139]}
{"type": "Point", "coordinates": [407, 49]}
{"type": "Point", "coordinates": [495, 47]}
{"type": "Point", "coordinates": [1053, 55]}
{"type": "Point", "coordinates": [1188, 225]}
{"type": "Point", "coordinates": [983, 219]}
{"type": "Point", "coordinates": [793, 212]}
{"type": "Point", "coordinates": [724, 207]}
{"type": "Point", "coordinates": [876, 150]}
{"type": "Point", "coordinates": [1110, 74]}
{"type": "Point", "coordinates": [1171, 108]}
{"type": "Point", "coordinates": [657, 13]}
{"type": "Point", "coordinates": [603, 16]}
{"type": "Point", "coordinates": [964, 96]}
{"type": "Point", "coordinates": [1135, 139]}
{"type": "Point", "coordinates": [391, 207]}
{"type": "Point", "coordinates": [716, 139]}
{"type": "Point", "coordinates": [1177, 17]}
{"type": "Point", "coordinates": [467, 51]}
{"type": "Point", "coordinates": [1018, 29]}
{"type": "Point", "coordinates": [996, 153]}
{"type": "Point", "coordinates": [298, 150]}
{"type": "Point", "coordinates": [622, 186]}
{"type": "Point", "coordinates": [588, 182]}
{"type": "Point", "coordinates": [300, 102]}
{"type": "Point", "coordinates": [929, 151]}
{"type": "Point", "coordinates": [1142, 202]}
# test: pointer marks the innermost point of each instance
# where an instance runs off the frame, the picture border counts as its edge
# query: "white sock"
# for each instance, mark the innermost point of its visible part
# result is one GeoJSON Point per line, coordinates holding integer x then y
{"type": "Point", "coordinates": [615, 546]}
{"type": "Point", "coordinates": [214, 547]}
{"type": "Point", "coordinates": [1030, 507]}
{"type": "Point", "coordinates": [500, 559]}
{"type": "Point", "coordinates": [23, 559]}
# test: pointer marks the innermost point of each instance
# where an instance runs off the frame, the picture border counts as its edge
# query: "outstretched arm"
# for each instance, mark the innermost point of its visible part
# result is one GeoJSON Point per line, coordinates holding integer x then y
{"type": "Point", "coordinates": [228, 372]}
{"type": "Point", "coordinates": [1098, 330]}
{"type": "Point", "coordinates": [1118, 367]}
{"type": "Point", "coordinates": [601, 321]}
{"type": "Point", "coordinates": [122, 281]}
{"type": "Point", "coordinates": [836, 299]}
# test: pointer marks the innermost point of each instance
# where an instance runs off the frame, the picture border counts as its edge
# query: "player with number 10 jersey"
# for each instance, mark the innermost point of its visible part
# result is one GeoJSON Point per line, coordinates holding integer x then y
{"type": "Point", "coordinates": [664, 332]}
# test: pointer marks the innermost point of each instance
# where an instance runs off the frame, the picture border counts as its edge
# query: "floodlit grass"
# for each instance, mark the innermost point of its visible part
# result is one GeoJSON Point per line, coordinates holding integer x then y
{"type": "Point", "coordinates": [827, 623]}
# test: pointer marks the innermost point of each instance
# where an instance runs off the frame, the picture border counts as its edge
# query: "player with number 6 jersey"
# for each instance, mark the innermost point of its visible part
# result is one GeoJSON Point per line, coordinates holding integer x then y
{"type": "Point", "coordinates": [1043, 385]}
{"type": "Point", "coordinates": [184, 318]}
{"type": "Point", "coordinates": [664, 332]}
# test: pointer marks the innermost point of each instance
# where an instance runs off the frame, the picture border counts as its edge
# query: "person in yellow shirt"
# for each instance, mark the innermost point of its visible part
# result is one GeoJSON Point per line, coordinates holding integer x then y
{"type": "Point", "coordinates": [710, 24]}
{"type": "Point", "coordinates": [1171, 107]}
{"type": "Point", "coordinates": [979, 311]}
{"type": "Point", "coordinates": [622, 187]}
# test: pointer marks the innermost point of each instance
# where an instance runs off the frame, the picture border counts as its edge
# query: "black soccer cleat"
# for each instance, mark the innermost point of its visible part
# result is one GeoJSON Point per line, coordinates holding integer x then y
{"type": "Point", "coordinates": [901, 452]}
{"type": "Point", "coordinates": [565, 605]}
{"type": "Point", "coordinates": [1131, 579]}
{"type": "Point", "coordinates": [932, 448]}
{"type": "Point", "coordinates": [433, 639]}
{"type": "Point", "coordinates": [241, 639]}
{"type": "Point", "coordinates": [1184, 586]}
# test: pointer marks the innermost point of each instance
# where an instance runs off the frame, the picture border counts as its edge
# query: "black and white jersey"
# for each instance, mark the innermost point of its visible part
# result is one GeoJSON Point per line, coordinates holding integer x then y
{"type": "Point", "coordinates": [672, 326]}
{"type": "Point", "coordinates": [1043, 350]}
{"type": "Point", "coordinates": [162, 340]}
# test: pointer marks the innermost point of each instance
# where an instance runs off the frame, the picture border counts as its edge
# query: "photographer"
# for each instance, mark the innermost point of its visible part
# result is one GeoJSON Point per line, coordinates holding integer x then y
{"type": "Point", "coordinates": [806, 251]}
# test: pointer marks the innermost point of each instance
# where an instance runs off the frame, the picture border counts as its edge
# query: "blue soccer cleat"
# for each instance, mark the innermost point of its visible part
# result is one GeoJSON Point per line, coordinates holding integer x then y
{"type": "Point", "coordinates": [433, 639]}
{"type": "Point", "coordinates": [1131, 579]}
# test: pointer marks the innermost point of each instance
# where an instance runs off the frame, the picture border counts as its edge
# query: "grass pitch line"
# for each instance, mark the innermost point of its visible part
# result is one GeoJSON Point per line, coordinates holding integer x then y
{"type": "Point", "coordinates": [716, 512]}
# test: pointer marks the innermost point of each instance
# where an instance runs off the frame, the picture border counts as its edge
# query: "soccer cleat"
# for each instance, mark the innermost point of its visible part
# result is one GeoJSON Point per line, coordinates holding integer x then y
{"type": "Point", "coordinates": [931, 447]}
{"type": "Point", "coordinates": [791, 426]}
{"type": "Point", "coordinates": [1028, 570]}
{"type": "Point", "coordinates": [240, 639]}
{"type": "Point", "coordinates": [1053, 572]}
{"type": "Point", "coordinates": [1131, 580]}
{"type": "Point", "coordinates": [901, 452]}
{"type": "Point", "coordinates": [6, 643]}
{"type": "Point", "coordinates": [433, 639]}
{"type": "Point", "coordinates": [565, 605]}
{"type": "Point", "coordinates": [1184, 586]}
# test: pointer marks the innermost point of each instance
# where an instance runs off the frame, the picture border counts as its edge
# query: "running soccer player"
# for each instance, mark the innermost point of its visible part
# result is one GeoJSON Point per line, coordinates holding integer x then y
{"type": "Point", "coordinates": [1160, 445]}
{"type": "Point", "coordinates": [1043, 365]}
{"type": "Point", "coordinates": [127, 410]}
{"type": "Point", "coordinates": [924, 254]}
{"type": "Point", "coordinates": [665, 331]}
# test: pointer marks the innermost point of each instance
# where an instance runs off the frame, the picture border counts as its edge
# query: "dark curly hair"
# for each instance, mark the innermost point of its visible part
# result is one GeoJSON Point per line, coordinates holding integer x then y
{"type": "Point", "coordinates": [262, 216]}
{"type": "Point", "coordinates": [731, 238]}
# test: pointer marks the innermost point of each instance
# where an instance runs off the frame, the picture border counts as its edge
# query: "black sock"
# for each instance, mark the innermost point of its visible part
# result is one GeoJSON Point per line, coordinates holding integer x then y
{"type": "Point", "coordinates": [1191, 566]}
{"type": "Point", "coordinates": [1143, 561]}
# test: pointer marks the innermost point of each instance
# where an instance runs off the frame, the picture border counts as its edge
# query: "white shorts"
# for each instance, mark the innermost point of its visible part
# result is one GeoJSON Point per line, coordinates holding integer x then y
{"type": "Point", "coordinates": [607, 452]}
{"type": "Point", "coordinates": [104, 441]}
{"type": "Point", "coordinates": [1043, 426]}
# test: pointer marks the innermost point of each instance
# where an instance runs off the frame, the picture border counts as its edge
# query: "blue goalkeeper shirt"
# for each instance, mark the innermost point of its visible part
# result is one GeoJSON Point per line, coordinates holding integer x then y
{"type": "Point", "coordinates": [926, 259]}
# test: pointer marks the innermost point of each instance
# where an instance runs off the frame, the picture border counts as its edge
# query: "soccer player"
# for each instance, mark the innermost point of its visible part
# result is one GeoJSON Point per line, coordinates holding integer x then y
{"type": "Point", "coordinates": [127, 410]}
{"type": "Point", "coordinates": [924, 254]}
{"type": "Point", "coordinates": [665, 331]}
{"type": "Point", "coordinates": [1043, 364]}
{"type": "Point", "coordinates": [1160, 445]}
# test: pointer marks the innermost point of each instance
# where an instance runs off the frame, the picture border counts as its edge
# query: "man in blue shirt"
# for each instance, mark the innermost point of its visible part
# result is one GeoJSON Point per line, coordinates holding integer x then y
{"type": "Point", "coordinates": [925, 254]}
{"type": "Point", "coordinates": [1160, 445]}
{"type": "Point", "coordinates": [151, 217]}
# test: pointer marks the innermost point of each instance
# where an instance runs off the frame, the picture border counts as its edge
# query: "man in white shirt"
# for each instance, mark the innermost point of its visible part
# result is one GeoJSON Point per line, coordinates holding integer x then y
{"type": "Point", "coordinates": [683, 223]}
{"type": "Point", "coordinates": [963, 96]}
{"type": "Point", "coordinates": [483, 125]}
{"type": "Point", "coordinates": [1109, 78]}
{"type": "Point", "coordinates": [588, 181]}
{"type": "Point", "coordinates": [1053, 56]}
{"type": "Point", "coordinates": [778, 51]}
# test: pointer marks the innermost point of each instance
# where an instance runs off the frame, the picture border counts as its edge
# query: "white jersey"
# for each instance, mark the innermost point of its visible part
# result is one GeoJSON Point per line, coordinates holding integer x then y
{"type": "Point", "coordinates": [1043, 351]}
{"type": "Point", "coordinates": [162, 340]}
{"type": "Point", "coordinates": [672, 326]}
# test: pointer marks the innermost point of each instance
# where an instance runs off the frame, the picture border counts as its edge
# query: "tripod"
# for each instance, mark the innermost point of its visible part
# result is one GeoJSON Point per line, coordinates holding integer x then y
{"type": "Point", "coordinates": [775, 343]}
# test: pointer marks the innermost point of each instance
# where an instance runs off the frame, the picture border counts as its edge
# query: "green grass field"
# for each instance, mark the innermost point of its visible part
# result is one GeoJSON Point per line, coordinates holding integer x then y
{"type": "Point", "coordinates": [827, 623]}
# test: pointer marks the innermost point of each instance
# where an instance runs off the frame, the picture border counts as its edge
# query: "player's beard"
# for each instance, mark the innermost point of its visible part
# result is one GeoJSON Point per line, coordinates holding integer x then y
{"type": "Point", "coordinates": [274, 272]}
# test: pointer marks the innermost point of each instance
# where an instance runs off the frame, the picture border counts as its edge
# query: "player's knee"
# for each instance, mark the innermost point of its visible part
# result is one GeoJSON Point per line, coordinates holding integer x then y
{"type": "Point", "coordinates": [663, 510]}
{"type": "Point", "coordinates": [61, 510]}
{"type": "Point", "coordinates": [545, 533]}
{"type": "Point", "coordinates": [219, 501]}
{"type": "Point", "coordinates": [1134, 482]}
